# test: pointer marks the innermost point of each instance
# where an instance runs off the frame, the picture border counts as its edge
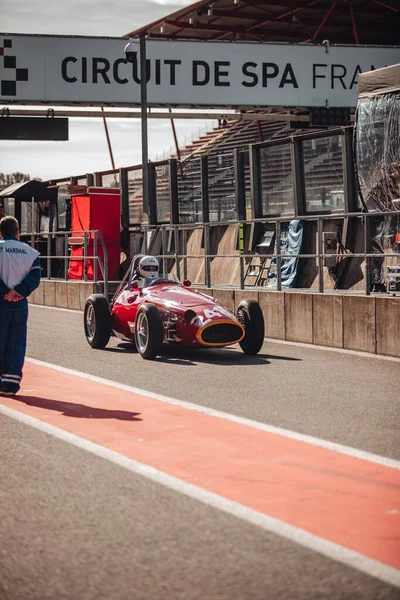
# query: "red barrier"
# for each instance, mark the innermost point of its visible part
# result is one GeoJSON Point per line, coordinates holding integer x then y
{"type": "Point", "coordinates": [99, 209]}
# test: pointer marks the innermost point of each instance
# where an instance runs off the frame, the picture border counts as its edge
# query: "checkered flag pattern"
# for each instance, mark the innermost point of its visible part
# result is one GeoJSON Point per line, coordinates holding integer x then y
{"type": "Point", "coordinates": [9, 85]}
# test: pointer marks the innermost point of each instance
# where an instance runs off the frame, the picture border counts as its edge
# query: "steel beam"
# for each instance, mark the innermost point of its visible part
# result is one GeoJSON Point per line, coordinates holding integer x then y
{"type": "Point", "coordinates": [242, 116]}
{"type": "Point", "coordinates": [152, 193]}
{"type": "Point", "coordinates": [108, 138]}
{"type": "Point", "coordinates": [173, 192]}
{"type": "Point", "coordinates": [204, 189]}
{"type": "Point", "coordinates": [350, 189]}
{"type": "Point", "coordinates": [240, 187]}
{"type": "Point", "coordinates": [255, 177]}
{"type": "Point", "coordinates": [123, 173]}
{"type": "Point", "coordinates": [284, 14]}
{"type": "Point", "coordinates": [297, 159]}
{"type": "Point", "coordinates": [143, 115]}
{"type": "Point", "coordinates": [324, 20]}
{"type": "Point", "coordinates": [353, 21]}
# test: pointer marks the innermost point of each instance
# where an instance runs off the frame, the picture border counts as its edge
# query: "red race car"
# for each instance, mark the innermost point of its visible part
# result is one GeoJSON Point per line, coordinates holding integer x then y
{"type": "Point", "coordinates": [151, 311]}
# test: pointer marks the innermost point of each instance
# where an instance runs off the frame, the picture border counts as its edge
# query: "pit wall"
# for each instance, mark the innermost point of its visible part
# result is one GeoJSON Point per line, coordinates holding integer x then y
{"type": "Point", "coordinates": [364, 323]}
{"type": "Point", "coordinates": [63, 294]}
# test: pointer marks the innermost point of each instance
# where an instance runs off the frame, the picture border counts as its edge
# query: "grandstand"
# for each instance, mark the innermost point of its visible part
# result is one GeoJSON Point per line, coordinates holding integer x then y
{"type": "Point", "coordinates": [367, 22]}
{"type": "Point", "coordinates": [323, 172]}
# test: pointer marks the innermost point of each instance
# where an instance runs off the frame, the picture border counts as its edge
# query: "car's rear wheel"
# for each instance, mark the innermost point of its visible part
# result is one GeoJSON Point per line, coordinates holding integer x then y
{"type": "Point", "coordinates": [97, 321]}
{"type": "Point", "coordinates": [149, 331]}
{"type": "Point", "coordinates": [250, 316]}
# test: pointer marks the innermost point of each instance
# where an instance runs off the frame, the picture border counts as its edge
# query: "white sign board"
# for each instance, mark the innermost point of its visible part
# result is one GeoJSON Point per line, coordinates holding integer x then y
{"type": "Point", "coordinates": [69, 70]}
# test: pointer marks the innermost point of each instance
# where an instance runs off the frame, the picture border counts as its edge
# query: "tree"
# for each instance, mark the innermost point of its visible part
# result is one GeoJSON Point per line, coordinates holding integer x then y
{"type": "Point", "coordinates": [10, 178]}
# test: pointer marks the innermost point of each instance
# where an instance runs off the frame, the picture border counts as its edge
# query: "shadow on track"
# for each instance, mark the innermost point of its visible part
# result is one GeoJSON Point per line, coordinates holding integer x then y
{"type": "Point", "coordinates": [216, 356]}
{"type": "Point", "coordinates": [80, 411]}
{"type": "Point", "coordinates": [125, 347]}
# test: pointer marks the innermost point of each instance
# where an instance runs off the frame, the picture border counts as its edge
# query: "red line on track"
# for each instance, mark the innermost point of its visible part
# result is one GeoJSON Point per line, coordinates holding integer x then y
{"type": "Point", "coordinates": [343, 499]}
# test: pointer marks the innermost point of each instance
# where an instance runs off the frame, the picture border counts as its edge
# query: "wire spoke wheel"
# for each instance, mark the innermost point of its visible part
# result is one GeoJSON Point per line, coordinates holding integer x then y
{"type": "Point", "coordinates": [90, 322]}
{"type": "Point", "coordinates": [142, 332]}
{"type": "Point", "coordinates": [149, 331]}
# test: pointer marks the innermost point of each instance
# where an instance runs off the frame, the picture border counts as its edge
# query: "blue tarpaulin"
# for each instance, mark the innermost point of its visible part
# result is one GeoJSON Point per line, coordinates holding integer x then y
{"type": "Point", "coordinates": [290, 243]}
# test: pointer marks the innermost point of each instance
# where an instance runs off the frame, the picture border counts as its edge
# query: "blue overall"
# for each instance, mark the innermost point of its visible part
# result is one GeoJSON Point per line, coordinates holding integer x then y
{"type": "Point", "coordinates": [13, 325]}
{"type": "Point", "coordinates": [13, 321]}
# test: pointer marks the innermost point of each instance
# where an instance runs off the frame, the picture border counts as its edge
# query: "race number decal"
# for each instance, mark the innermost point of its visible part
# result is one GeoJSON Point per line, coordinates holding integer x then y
{"type": "Point", "coordinates": [208, 315]}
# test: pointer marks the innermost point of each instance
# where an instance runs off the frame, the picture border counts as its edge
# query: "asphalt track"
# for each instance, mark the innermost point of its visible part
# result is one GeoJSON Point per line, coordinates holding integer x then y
{"type": "Point", "coordinates": [76, 525]}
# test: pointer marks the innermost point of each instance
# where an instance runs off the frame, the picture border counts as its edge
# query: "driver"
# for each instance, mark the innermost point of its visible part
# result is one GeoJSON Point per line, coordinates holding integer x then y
{"type": "Point", "coordinates": [147, 270]}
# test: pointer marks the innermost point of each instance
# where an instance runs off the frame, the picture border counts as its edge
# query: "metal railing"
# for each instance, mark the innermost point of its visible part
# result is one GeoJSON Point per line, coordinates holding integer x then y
{"type": "Point", "coordinates": [77, 238]}
{"type": "Point", "coordinates": [290, 186]}
{"type": "Point", "coordinates": [180, 255]}
{"type": "Point", "coordinates": [181, 258]}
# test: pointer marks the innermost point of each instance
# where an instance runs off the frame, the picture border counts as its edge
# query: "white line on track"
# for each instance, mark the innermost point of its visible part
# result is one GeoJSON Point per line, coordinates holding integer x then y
{"type": "Point", "coordinates": [70, 310]}
{"type": "Point", "coordinates": [333, 551]}
{"type": "Point", "coordinates": [339, 350]}
{"type": "Point", "coordinates": [354, 452]}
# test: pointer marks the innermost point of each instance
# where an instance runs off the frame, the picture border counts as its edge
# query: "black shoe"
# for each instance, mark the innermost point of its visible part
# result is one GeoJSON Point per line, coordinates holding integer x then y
{"type": "Point", "coordinates": [8, 389]}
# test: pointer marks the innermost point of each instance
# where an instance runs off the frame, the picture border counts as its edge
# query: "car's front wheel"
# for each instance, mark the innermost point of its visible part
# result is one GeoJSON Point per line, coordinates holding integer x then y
{"type": "Point", "coordinates": [149, 331]}
{"type": "Point", "coordinates": [97, 321]}
{"type": "Point", "coordinates": [250, 316]}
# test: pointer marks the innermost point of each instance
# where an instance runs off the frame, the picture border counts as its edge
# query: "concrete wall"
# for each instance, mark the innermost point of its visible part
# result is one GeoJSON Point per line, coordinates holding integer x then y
{"type": "Point", "coordinates": [63, 294]}
{"type": "Point", "coordinates": [364, 323]}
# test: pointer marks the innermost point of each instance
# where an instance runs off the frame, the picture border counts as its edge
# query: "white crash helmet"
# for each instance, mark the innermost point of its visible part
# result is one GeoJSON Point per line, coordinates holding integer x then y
{"type": "Point", "coordinates": [148, 267]}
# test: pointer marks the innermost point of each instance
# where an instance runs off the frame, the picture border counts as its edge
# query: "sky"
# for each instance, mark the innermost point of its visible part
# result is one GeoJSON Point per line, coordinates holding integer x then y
{"type": "Point", "coordinates": [87, 150]}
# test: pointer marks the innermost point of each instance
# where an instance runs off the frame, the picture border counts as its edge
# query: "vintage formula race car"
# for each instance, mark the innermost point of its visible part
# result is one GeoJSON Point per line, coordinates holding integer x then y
{"type": "Point", "coordinates": [164, 311]}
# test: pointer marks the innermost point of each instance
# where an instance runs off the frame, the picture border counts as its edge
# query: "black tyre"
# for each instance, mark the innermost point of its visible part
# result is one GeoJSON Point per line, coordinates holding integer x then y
{"type": "Point", "coordinates": [250, 316]}
{"type": "Point", "coordinates": [149, 331]}
{"type": "Point", "coordinates": [97, 321]}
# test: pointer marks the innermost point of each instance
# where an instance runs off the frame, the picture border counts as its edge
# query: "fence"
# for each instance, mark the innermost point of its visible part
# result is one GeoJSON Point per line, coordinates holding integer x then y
{"type": "Point", "coordinates": [175, 254]}
{"type": "Point", "coordinates": [308, 177]}
{"type": "Point", "coordinates": [180, 257]}
{"type": "Point", "coordinates": [63, 257]}
{"type": "Point", "coordinates": [299, 175]}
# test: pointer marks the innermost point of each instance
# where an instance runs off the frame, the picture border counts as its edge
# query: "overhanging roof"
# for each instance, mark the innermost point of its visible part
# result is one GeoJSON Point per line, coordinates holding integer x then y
{"type": "Point", "coordinates": [372, 22]}
{"type": "Point", "coordinates": [380, 81]}
{"type": "Point", "coordinates": [27, 190]}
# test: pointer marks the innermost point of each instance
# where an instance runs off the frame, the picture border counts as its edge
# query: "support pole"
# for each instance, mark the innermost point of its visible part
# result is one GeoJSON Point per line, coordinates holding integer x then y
{"type": "Point", "coordinates": [255, 175]}
{"type": "Point", "coordinates": [353, 21]}
{"type": "Point", "coordinates": [124, 183]}
{"type": "Point", "coordinates": [173, 192]}
{"type": "Point", "coordinates": [204, 189]}
{"type": "Point", "coordinates": [260, 131]}
{"type": "Point", "coordinates": [324, 20]}
{"type": "Point", "coordinates": [240, 184]}
{"type": "Point", "coordinates": [350, 190]}
{"type": "Point", "coordinates": [320, 259]}
{"type": "Point", "coordinates": [108, 139]}
{"type": "Point", "coordinates": [278, 256]}
{"type": "Point", "coordinates": [299, 188]}
{"type": "Point", "coordinates": [367, 249]}
{"type": "Point", "coordinates": [33, 226]}
{"type": "Point", "coordinates": [145, 148]}
{"type": "Point", "coordinates": [178, 152]}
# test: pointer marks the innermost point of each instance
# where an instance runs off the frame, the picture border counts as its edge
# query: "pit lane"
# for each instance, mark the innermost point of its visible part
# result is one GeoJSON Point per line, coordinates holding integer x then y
{"type": "Point", "coordinates": [340, 397]}
{"type": "Point", "coordinates": [76, 526]}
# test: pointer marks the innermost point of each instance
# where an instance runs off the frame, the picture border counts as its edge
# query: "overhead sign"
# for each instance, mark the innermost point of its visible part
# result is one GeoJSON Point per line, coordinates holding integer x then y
{"type": "Point", "coordinates": [84, 70]}
{"type": "Point", "coordinates": [33, 128]}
